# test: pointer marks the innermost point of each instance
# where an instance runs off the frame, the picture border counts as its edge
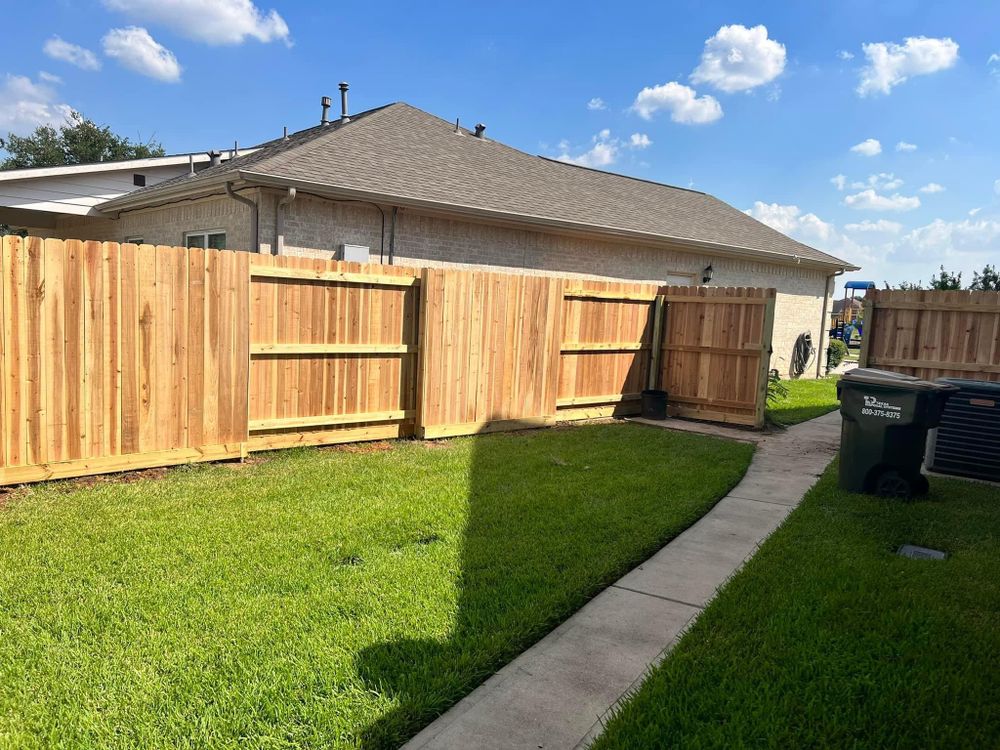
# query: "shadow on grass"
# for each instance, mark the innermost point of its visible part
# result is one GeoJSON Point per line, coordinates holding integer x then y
{"type": "Point", "coordinates": [512, 586]}
{"type": "Point", "coordinates": [553, 517]}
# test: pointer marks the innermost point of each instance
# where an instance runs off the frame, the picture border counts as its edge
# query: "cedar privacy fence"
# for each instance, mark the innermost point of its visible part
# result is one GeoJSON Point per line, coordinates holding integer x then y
{"type": "Point", "coordinates": [118, 357]}
{"type": "Point", "coordinates": [933, 334]}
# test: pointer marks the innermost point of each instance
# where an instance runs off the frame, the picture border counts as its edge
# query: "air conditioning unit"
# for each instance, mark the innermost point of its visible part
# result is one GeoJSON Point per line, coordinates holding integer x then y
{"type": "Point", "coordinates": [356, 253]}
{"type": "Point", "coordinates": [967, 442]}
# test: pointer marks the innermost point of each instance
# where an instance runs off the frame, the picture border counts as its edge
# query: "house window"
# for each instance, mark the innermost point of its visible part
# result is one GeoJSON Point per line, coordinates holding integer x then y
{"type": "Point", "coordinates": [135, 240]}
{"type": "Point", "coordinates": [214, 239]}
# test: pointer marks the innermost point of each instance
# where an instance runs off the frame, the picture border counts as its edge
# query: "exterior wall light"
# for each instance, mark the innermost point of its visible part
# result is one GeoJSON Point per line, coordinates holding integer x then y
{"type": "Point", "coordinates": [706, 275]}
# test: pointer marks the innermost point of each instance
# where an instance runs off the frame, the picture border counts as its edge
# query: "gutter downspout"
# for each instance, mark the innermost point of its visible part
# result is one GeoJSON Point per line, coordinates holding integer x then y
{"type": "Point", "coordinates": [254, 216]}
{"type": "Point", "coordinates": [392, 235]}
{"type": "Point", "coordinates": [279, 221]}
{"type": "Point", "coordinates": [824, 328]}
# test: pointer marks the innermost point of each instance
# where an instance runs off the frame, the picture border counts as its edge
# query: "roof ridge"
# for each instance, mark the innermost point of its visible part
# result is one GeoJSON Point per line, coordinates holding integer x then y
{"type": "Point", "coordinates": [624, 176]}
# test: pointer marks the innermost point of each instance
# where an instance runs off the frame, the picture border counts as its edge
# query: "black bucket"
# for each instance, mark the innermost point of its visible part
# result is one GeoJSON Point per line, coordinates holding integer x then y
{"type": "Point", "coordinates": [654, 404]}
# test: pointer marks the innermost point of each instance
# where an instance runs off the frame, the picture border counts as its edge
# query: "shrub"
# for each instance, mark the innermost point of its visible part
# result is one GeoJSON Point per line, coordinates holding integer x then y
{"type": "Point", "coordinates": [835, 353]}
{"type": "Point", "coordinates": [776, 390]}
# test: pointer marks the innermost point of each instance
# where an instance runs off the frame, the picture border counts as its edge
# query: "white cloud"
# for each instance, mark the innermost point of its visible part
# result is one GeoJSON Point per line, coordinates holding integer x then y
{"type": "Point", "coordinates": [25, 104]}
{"type": "Point", "coordinates": [932, 187]}
{"type": "Point", "coordinates": [993, 63]}
{"type": "Point", "coordinates": [639, 140]}
{"type": "Point", "coordinates": [890, 64]}
{"type": "Point", "coordinates": [217, 22]}
{"type": "Point", "coordinates": [974, 211]}
{"type": "Point", "coordinates": [596, 104]}
{"type": "Point", "coordinates": [683, 103]}
{"type": "Point", "coordinates": [904, 146]}
{"type": "Point", "coordinates": [49, 77]}
{"type": "Point", "coordinates": [74, 54]}
{"type": "Point", "coordinates": [883, 226]}
{"type": "Point", "coordinates": [956, 238]}
{"type": "Point", "coordinates": [603, 153]}
{"type": "Point", "coordinates": [845, 55]}
{"type": "Point", "coordinates": [880, 181]}
{"type": "Point", "coordinates": [738, 59]}
{"type": "Point", "coordinates": [136, 50]}
{"type": "Point", "coordinates": [868, 147]}
{"type": "Point", "coordinates": [839, 181]}
{"type": "Point", "coordinates": [810, 229]}
{"type": "Point", "coordinates": [869, 200]}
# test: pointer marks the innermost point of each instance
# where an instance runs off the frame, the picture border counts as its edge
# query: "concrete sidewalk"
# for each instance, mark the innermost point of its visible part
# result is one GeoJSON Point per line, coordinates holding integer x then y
{"type": "Point", "coordinates": [556, 694]}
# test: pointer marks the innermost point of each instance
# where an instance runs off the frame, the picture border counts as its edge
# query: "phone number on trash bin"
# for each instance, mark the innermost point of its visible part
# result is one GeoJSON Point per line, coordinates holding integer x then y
{"type": "Point", "coordinates": [880, 413]}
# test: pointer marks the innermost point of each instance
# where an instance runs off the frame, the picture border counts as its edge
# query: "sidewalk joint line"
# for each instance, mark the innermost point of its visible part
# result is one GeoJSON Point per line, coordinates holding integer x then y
{"type": "Point", "coordinates": [756, 500]}
{"type": "Point", "coordinates": [658, 596]}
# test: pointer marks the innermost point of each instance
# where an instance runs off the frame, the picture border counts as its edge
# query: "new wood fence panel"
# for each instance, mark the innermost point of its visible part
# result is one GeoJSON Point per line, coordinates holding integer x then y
{"type": "Point", "coordinates": [606, 348]}
{"type": "Point", "coordinates": [333, 349]}
{"type": "Point", "coordinates": [716, 351]}
{"type": "Point", "coordinates": [122, 356]}
{"type": "Point", "coordinates": [932, 334]}
{"type": "Point", "coordinates": [490, 347]}
{"type": "Point", "coordinates": [96, 357]}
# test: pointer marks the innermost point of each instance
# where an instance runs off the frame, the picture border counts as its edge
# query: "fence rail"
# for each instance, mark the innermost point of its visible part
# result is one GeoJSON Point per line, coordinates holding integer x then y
{"type": "Point", "coordinates": [933, 334]}
{"type": "Point", "coordinates": [121, 356]}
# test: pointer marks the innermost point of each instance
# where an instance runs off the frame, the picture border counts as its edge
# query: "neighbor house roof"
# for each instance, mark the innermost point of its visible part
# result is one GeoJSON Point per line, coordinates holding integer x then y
{"type": "Point", "coordinates": [403, 156]}
{"type": "Point", "coordinates": [28, 173]}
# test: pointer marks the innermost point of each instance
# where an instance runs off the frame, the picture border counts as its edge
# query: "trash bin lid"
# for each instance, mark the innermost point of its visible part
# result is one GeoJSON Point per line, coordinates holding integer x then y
{"type": "Point", "coordinates": [871, 376]}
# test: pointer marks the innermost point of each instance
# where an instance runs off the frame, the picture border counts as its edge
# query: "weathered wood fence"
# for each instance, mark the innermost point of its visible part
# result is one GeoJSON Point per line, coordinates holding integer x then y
{"type": "Point", "coordinates": [117, 357]}
{"type": "Point", "coordinates": [933, 334]}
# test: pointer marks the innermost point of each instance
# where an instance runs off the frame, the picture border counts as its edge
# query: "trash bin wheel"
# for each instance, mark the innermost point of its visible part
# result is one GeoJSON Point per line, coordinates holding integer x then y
{"type": "Point", "coordinates": [892, 484]}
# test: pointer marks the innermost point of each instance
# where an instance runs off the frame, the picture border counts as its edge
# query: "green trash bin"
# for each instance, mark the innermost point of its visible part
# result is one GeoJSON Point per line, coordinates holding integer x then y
{"type": "Point", "coordinates": [886, 416]}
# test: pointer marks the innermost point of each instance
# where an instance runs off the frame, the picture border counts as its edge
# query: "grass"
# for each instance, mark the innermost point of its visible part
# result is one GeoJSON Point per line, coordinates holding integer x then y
{"type": "Point", "coordinates": [827, 639]}
{"type": "Point", "coordinates": [321, 598]}
{"type": "Point", "coordinates": [806, 399]}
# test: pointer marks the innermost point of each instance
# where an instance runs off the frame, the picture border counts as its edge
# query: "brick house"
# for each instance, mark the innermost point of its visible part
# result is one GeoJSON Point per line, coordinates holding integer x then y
{"type": "Point", "coordinates": [397, 185]}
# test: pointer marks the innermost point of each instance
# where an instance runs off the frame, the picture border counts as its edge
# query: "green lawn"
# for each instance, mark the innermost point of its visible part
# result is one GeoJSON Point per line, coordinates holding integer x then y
{"type": "Point", "coordinates": [806, 399]}
{"type": "Point", "coordinates": [321, 598]}
{"type": "Point", "coordinates": [827, 639]}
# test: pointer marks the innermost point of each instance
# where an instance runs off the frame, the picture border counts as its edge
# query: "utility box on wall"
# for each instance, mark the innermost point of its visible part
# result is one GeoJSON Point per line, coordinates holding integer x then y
{"type": "Point", "coordinates": [354, 253]}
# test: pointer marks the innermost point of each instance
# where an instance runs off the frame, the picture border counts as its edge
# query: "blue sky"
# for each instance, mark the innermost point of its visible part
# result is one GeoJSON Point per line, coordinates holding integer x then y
{"type": "Point", "coordinates": [758, 103]}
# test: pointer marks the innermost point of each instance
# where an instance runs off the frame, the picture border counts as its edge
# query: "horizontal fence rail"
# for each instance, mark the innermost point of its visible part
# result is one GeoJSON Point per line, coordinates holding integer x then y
{"type": "Point", "coordinates": [120, 356]}
{"type": "Point", "coordinates": [932, 334]}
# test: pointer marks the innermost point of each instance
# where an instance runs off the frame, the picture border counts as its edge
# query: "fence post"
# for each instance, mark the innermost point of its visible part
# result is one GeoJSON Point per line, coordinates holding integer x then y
{"type": "Point", "coordinates": [656, 342]}
{"type": "Point", "coordinates": [868, 320]}
{"type": "Point", "coordinates": [422, 299]}
{"type": "Point", "coordinates": [765, 358]}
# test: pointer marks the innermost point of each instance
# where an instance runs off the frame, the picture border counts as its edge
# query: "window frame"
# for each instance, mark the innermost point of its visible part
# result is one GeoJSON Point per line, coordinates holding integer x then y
{"type": "Point", "coordinates": [135, 240]}
{"type": "Point", "coordinates": [205, 234]}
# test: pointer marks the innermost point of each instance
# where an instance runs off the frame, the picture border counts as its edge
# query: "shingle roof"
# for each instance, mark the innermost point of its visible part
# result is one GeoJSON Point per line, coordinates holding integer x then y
{"type": "Point", "coordinates": [401, 152]}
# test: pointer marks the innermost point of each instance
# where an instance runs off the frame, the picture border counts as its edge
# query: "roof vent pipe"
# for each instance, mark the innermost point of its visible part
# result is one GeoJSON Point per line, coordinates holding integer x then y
{"type": "Point", "coordinates": [325, 102]}
{"type": "Point", "coordinates": [191, 164]}
{"type": "Point", "coordinates": [344, 117]}
{"type": "Point", "coordinates": [480, 129]}
{"type": "Point", "coordinates": [215, 158]}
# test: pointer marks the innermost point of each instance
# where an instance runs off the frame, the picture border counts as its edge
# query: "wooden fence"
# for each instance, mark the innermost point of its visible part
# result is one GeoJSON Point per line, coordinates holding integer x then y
{"type": "Point", "coordinates": [117, 357]}
{"type": "Point", "coordinates": [933, 334]}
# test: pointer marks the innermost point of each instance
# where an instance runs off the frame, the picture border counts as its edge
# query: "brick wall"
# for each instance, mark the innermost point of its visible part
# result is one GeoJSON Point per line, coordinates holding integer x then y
{"type": "Point", "coordinates": [316, 227]}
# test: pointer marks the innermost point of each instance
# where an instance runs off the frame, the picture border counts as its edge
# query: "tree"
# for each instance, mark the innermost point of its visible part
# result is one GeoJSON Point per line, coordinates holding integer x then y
{"type": "Point", "coordinates": [987, 281]}
{"type": "Point", "coordinates": [77, 141]}
{"type": "Point", "coordinates": [946, 281]}
{"type": "Point", "coordinates": [6, 229]}
{"type": "Point", "coordinates": [908, 286]}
